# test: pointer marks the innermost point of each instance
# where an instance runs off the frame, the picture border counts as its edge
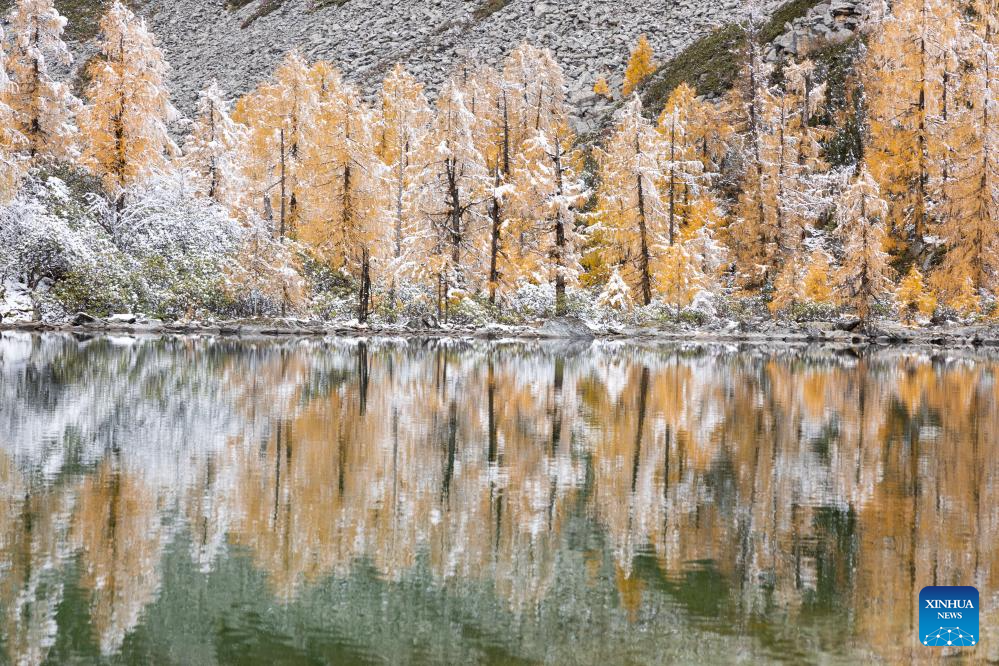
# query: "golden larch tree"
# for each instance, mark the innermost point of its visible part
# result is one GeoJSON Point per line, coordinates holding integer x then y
{"type": "Point", "coordinates": [346, 215]}
{"type": "Point", "coordinates": [548, 192]}
{"type": "Point", "coordinates": [212, 145]}
{"type": "Point", "coordinates": [781, 193]}
{"type": "Point", "coordinates": [278, 115]}
{"type": "Point", "coordinates": [818, 277]}
{"type": "Point", "coordinates": [630, 210]}
{"type": "Point", "coordinates": [865, 275]}
{"type": "Point", "coordinates": [44, 109]}
{"type": "Point", "coordinates": [534, 116]}
{"type": "Point", "coordinates": [402, 126]}
{"type": "Point", "coordinates": [602, 88]}
{"type": "Point", "coordinates": [914, 297]}
{"type": "Point", "coordinates": [969, 206]}
{"type": "Point", "coordinates": [905, 76]}
{"type": "Point", "coordinates": [679, 275]}
{"type": "Point", "coordinates": [641, 65]}
{"type": "Point", "coordinates": [11, 141]}
{"type": "Point", "coordinates": [459, 186]}
{"type": "Point", "coordinates": [124, 124]}
{"type": "Point", "coordinates": [682, 168]}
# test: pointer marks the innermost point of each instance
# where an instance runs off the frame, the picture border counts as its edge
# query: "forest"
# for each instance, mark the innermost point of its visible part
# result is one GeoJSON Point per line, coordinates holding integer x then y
{"type": "Point", "coordinates": [808, 191]}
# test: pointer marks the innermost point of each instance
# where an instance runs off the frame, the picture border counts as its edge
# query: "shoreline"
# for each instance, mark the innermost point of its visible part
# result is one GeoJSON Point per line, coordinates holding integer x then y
{"type": "Point", "coordinates": [876, 334]}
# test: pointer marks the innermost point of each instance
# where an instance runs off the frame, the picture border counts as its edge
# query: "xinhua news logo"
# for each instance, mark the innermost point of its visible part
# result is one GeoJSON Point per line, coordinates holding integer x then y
{"type": "Point", "coordinates": [948, 616]}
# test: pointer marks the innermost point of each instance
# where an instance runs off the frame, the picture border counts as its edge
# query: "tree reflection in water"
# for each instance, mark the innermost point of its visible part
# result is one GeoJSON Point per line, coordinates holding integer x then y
{"type": "Point", "coordinates": [203, 500]}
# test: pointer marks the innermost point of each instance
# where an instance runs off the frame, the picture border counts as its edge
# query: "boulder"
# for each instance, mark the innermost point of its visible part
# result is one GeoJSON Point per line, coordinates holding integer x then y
{"type": "Point", "coordinates": [566, 327]}
{"type": "Point", "coordinates": [84, 319]}
{"type": "Point", "coordinates": [422, 323]}
{"type": "Point", "coordinates": [123, 318]}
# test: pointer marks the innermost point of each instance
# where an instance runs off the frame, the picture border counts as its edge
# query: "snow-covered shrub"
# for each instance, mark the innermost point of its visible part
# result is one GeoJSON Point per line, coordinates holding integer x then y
{"type": "Point", "coordinates": [471, 310]}
{"type": "Point", "coordinates": [265, 277]}
{"type": "Point", "coordinates": [532, 301]}
{"type": "Point", "coordinates": [411, 301]}
{"type": "Point", "coordinates": [164, 252]}
{"type": "Point", "coordinates": [45, 232]}
{"type": "Point", "coordinates": [803, 311]}
{"type": "Point", "coordinates": [331, 306]}
{"type": "Point", "coordinates": [616, 295]}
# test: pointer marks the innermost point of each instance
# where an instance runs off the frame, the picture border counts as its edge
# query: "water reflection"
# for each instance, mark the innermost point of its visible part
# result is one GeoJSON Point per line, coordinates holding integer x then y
{"type": "Point", "coordinates": [201, 500]}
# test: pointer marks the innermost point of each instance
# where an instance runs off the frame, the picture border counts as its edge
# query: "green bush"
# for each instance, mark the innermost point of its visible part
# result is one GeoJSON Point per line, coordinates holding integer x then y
{"type": "Point", "coordinates": [710, 65]}
{"type": "Point", "coordinates": [810, 311]}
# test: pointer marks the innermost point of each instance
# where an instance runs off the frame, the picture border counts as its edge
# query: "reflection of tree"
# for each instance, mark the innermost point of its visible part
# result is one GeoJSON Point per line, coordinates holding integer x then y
{"type": "Point", "coordinates": [119, 533]}
{"type": "Point", "coordinates": [802, 488]}
{"type": "Point", "coordinates": [33, 530]}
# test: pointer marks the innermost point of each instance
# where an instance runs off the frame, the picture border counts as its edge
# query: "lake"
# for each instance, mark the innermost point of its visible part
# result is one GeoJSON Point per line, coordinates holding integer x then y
{"type": "Point", "coordinates": [202, 501]}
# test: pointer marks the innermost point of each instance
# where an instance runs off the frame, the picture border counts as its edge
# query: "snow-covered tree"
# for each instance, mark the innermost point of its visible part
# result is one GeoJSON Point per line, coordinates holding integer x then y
{"type": "Point", "coordinates": [278, 115]}
{"type": "Point", "coordinates": [616, 295]}
{"type": "Point", "coordinates": [752, 235]}
{"type": "Point", "coordinates": [682, 169]}
{"type": "Point", "coordinates": [124, 123]}
{"type": "Point", "coordinates": [43, 108]}
{"type": "Point", "coordinates": [402, 125]}
{"type": "Point", "coordinates": [630, 208]}
{"type": "Point", "coordinates": [211, 148]}
{"type": "Point", "coordinates": [679, 275]}
{"type": "Point", "coordinates": [969, 206]}
{"type": "Point", "coordinates": [783, 191]}
{"type": "Point", "coordinates": [459, 186]}
{"type": "Point", "coordinates": [906, 74]}
{"type": "Point", "coordinates": [548, 191]}
{"type": "Point", "coordinates": [346, 214]}
{"type": "Point", "coordinates": [865, 275]}
{"type": "Point", "coordinates": [264, 278]}
{"type": "Point", "coordinates": [11, 141]}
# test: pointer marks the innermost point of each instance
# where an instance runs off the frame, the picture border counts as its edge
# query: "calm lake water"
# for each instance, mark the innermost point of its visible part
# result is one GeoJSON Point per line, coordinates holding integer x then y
{"type": "Point", "coordinates": [198, 502]}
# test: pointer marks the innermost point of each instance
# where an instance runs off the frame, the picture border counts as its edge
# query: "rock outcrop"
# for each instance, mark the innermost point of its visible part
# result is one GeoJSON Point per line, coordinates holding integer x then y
{"type": "Point", "coordinates": [825, 24]}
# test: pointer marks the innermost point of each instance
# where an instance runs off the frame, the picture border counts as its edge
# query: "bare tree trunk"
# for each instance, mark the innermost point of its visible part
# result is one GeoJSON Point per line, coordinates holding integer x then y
{"type": "Point", "coordinates": [364, 297]}
{"type": "Point", "coordinates": [561, 306]}
{"type": "Point", "coordinates": [643, 236]}
{"type": "Point", "coordinates": [281, 229]}
{"type": "Point", "coordinates": [494, 246]}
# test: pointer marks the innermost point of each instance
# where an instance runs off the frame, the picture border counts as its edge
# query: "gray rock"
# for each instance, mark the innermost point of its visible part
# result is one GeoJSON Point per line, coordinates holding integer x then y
{"type": "Point", "coordinates": [566, 327]}
{"type": "Point", "coordinates": [422, 323]}
{"type": "Point", "coordinates": [123, 318]}
{"type": "Point", "coordinates": [84, 319]}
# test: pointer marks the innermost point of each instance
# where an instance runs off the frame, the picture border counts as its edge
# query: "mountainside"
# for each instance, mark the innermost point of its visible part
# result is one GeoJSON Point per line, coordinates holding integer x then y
{"type": "Point", "coordinates": [240, 42]}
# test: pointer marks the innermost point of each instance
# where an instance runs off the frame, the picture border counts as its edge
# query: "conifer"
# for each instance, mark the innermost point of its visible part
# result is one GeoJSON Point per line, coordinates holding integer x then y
{"type": "Point", "coordinates": [640, 66]}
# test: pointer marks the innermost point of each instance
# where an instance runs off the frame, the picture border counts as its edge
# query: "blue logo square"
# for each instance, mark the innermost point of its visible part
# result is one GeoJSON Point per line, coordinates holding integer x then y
{"type": "Point", "coordinates": [948, 616]}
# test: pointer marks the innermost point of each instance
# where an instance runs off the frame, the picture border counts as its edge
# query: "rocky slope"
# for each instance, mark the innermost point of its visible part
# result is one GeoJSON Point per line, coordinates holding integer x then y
{"type": "Point", "coordinates": [207, 39]}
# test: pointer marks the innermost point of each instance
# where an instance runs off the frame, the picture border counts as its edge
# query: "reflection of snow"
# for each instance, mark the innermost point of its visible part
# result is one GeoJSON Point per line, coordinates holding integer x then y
{"type": "Point", "coordinates": [949, 636]}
